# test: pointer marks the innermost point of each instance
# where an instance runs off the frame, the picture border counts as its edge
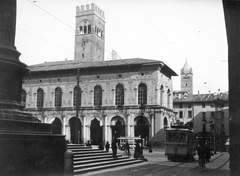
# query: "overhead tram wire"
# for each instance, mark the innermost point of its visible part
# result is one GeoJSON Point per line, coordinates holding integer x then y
{"type": "Point", "coordinates": [158, 30]}
{"type": "Point", "coordinates": [44, 39]}
{"type": "Point", "coordinates": [194, 57]}
{"type": "Point", "coordinates": [164, 37]}
{"type": "Point", "coordinates": [70, 27]}
{"type": "Point", "coordinates": [63, 22]}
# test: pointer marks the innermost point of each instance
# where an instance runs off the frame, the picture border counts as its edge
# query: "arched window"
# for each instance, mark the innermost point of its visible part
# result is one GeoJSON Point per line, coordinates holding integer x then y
{"type": "Point", "coordinates": [85, 27]}
{"type": "Point", "coordinates": [119, 99]}
{"type": "Point", "coordinates": [97, 96]}
{"type": "Point", "coordinates": [168, 98]}
{"type": "Point", "coordinates": [161, 95]}
{"type": "Point", "coordinates": [142, 94]}
{"type": "Point", "coordinates": [89, 28]}
{"type": "Point", "coordinates": [75, 97]}
{"type": "Point", "coordinates": [81, 29]}
{"type": "Point", "coordinates": [165, 122]}
{"type": "Point", "coordinates": [40, 98]}
{"type": "Point", "coordinates": [58, 97]}
{"type": "Point", "coordinates": [23, 97]}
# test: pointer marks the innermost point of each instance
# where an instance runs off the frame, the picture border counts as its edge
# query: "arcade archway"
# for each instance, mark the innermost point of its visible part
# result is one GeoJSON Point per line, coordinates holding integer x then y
{"type": "Point", "coordinates": [72, 124]}
{"type": "Point", "coordinates": [118, 126]}
{"type": "Point", "coordinates": [56, 126]}
{"type": "Point", "coordinates": [96, 132]}
{"type": "Point", "coordinates": [141, 127]}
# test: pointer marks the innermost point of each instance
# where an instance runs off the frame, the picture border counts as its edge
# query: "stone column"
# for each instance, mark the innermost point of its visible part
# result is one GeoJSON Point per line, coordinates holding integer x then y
{"type": "Point", "coordinates": [67, 127]}
{"type": "Point", "coordinates": [11, 69]}
{"type": "Point", "coordinates": [64, 126]}
{"type": "Point", "coordinates": [105, 131]}
{"type": "Point", "coordinates": [84, 140]}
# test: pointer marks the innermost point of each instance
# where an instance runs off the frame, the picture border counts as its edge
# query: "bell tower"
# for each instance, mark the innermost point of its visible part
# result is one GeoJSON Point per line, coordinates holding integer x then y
{"type": "Point", "coordinates": [89, 34]}
{"type": "Point", "coordinates": [187, 79]}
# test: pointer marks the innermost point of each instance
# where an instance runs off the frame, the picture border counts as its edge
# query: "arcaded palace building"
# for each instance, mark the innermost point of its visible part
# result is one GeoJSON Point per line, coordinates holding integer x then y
{"type": "Point", "coordinates": [129, 97]}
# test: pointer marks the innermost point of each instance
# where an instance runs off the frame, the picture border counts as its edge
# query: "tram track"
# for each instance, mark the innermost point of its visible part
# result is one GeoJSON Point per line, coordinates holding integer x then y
{"type": "Point", "coordinates": [165, 168]}
{"type": "Point", "coordinates": [197, 167]}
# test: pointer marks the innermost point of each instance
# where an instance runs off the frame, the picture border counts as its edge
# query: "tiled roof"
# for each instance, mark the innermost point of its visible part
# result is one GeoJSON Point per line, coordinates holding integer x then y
{"type": "Point", "coordinates": [74, 64]}
{"type": "Point", "coordinates": [201, 97]}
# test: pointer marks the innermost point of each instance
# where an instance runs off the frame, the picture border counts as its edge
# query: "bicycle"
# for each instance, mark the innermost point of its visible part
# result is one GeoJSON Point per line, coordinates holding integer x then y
{"type": "Point", "coordinates": [201, 162]}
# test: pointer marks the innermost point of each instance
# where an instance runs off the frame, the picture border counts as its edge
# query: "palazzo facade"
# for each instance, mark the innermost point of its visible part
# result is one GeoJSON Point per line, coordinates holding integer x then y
{"type": "Point", "coordinates": [89, 99]}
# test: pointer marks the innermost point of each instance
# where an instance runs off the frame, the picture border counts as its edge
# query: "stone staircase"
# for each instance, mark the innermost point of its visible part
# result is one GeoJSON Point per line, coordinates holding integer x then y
{"type": "Point", "coordinates": [87, 159]}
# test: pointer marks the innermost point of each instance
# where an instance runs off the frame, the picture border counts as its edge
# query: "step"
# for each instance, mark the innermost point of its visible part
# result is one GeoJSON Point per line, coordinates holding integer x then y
{"type": "Point", "coordinates": [72, 146]}
{"type": "Point", "coordinates": [118, 160]}
{"type": "Point", "coordinates": [90, 169]}
{"type": "Point", "coordinates": [96, 160]}
{"type": "Point", "coordinates": [90, 157]}
{"type": "Point", "coordinates": [91, 154]}
{"type": "Point", "coordinates": [76, 152]}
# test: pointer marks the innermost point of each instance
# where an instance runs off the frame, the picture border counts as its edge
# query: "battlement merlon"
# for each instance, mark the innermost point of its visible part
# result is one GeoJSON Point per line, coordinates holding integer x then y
{"type": "Point", "coordinates": [93, 8]}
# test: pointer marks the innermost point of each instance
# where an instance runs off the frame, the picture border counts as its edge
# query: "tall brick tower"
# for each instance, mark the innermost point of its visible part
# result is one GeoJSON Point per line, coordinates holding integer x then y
{"type": "Point", "coordinates": [89, 34]}
{"type": "Point", "coordinates": [187, 79]}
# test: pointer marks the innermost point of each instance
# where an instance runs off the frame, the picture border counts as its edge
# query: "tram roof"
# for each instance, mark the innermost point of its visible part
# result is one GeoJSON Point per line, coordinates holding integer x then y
{"type": "Point", "coordinates": [128, 137]}
{"type": "Point", "coordinates": [179, 129]}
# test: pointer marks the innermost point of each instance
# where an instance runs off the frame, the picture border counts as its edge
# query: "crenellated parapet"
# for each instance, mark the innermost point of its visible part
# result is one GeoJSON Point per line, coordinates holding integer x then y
{"type": "Point", "coordinates": [92, 8]}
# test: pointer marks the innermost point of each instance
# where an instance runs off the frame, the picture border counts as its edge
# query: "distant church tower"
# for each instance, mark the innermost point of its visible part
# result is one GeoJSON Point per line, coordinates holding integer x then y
{"type": "Point", "coordinates": [89, 34]}
{"type": "Point", "coordinates": [187, 79]}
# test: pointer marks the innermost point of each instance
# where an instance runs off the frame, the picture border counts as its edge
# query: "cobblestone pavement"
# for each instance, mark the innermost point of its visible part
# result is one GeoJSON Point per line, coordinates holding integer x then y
{"type": "Point", "coordinates": [158, 165]}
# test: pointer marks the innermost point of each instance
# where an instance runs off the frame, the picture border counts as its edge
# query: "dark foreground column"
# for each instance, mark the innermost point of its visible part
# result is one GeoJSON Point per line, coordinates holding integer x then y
{"type": "Point", "coordinates": [232, 20]}
{"type": "Point", "coordinates": [11, 69]}
{"type": "Point", "coordinates": [26, 146]}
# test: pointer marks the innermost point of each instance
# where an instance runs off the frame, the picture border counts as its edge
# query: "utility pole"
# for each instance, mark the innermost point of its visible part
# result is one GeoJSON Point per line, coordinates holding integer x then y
{"type": "Point", "coordinates": [77, 108]}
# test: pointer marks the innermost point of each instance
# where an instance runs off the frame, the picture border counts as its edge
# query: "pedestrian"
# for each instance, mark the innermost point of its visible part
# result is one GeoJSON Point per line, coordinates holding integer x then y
{"type": "Point", "coordinates": [207, 153]}
{"type": "Point", "coordinates": [107, 147]}
{"type": "Point", "coordinates": [114, 146]}
{"type": "Point", "coordinates": [127, 149]}
{"type": "Point", "coordinates": [150, 146]}
{"type": "Point", "coordinates": [137, 150]}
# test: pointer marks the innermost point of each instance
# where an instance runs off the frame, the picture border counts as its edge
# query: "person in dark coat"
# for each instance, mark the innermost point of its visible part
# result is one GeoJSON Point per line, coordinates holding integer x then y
{"type": "Point", "coordinates": [107, 147]}
{"type": "Point", "coordinates": [137, 150]}
{"type": "Point", "coordinates": [114, 146]}
{"type": "Point", "coordinates": [127, 149]}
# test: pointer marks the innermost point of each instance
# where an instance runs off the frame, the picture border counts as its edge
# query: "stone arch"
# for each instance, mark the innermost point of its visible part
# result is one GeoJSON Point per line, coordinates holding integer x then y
{"type": "Point", "coordinates": [96, 131]}
{"type": "Point", "coordinates": [72, 123]}
{"type": "Point", "coordinates": [141, 127]}
{"type": "Point", "coordinates": [56, 125]}
{"type": "Point", "coordinates": [118, 126]}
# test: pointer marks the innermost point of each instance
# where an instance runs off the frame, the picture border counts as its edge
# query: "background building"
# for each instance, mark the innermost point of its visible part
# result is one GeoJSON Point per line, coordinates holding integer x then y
{"type": "Point", "coordinates": [128, 97]}
{"type": "Point", "coordinates": [203, 112]}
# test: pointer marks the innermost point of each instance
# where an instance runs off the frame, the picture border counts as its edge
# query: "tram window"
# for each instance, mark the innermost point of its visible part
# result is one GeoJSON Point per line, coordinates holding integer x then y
{"type": "Point", "coordinates": [169, 137]}
{"type": "Point", "coordinates": [175, 136]}
{"type": "Point", "coordinates": [182, 138]}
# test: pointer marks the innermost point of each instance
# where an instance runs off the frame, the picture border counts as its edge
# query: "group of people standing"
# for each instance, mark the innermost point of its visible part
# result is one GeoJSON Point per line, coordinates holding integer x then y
{"type": "Point", "coordinates": [126, 148]}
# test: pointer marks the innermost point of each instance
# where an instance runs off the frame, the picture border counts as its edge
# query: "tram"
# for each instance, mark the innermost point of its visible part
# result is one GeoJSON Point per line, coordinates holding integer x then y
{"type": "Point", "coordinates": [180, 143]}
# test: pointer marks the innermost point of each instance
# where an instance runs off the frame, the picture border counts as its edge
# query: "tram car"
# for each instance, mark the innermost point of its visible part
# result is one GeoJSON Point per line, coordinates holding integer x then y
{"type": "Point", "coordinates": [180, 143]}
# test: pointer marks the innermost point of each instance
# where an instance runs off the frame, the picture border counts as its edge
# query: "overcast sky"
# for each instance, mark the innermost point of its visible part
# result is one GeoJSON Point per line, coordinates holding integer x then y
{"type": "Point", "coordinates": [167, 30]}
